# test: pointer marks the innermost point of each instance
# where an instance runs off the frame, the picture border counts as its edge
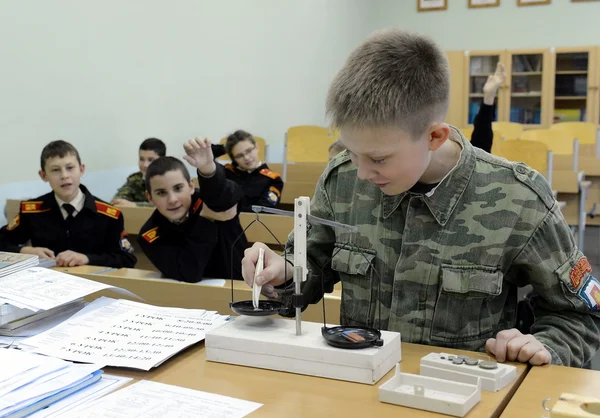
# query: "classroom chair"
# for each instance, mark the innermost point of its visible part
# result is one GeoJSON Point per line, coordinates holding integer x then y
{"type": "Point", "coordinates": [533, 153]}
{"type": "Point", "coordinates": [306, 144]}
{"type": "Point", "coordinates": [508, 130]}
{"type": "Point", "coordinates": [586, 133]}
{"type": "Point", "coordinates": [565, 147]}
{"type": "Point", "coordinates": [262, 149]}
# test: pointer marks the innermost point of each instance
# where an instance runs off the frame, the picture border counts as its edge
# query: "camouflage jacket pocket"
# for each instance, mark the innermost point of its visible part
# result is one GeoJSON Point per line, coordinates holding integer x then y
{"type": "Point", "coordinates": [355, 269]}
{"type": "Point", "coordinates": [466, 305]}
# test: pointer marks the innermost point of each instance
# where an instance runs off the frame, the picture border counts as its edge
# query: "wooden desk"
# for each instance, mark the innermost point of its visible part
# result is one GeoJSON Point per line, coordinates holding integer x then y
{"type": "Point", "coordinates": [549, 382]}
{"type": "Point", "coordinates": [293, 395]}
{"type": "Point", "coordinates": [155, 291]}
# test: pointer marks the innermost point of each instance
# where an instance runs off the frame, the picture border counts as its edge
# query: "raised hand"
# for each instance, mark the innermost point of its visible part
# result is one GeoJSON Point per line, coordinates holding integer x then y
{"type": "Point", "coordinates": [199, 154]}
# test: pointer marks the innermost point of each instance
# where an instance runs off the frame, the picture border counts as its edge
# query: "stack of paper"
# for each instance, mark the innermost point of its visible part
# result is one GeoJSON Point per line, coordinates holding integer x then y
{"type": "Point", "coordinates": [122, 333]}
{"type": "Point", "coordinates": [30, 382]}
{"type": "Point", "coordinates": [152, 399]}
{"type": "Point", "coordinates": [35, 290]}
{"type": "Point", "coordinates": [13, 262]}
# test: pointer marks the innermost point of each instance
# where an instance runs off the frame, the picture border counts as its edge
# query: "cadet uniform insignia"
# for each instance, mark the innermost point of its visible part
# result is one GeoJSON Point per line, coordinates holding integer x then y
{"type": "Point", "coordinates": [273, 195]}
{"type": "Point", "coordinates": [590, 292]}
{"type": "Point", "coordinates": [269, 173]}
{"type": "Point", "coordinates": [32, 207]}
{"type": "Point", "coordinates": [197, 205]}
{"type": "Point", "coordinates": [151, 235]}
{"type": "Point", "coordinates": [230, 167]}
{"type": "Point", "coordinates": [14, 223]}
{"type": "Point", "coordinates": [126, 246]}
{"type": "Point", "coordinates": [107, 210]}
{"type": "Point", "coordinates": [578, 271]}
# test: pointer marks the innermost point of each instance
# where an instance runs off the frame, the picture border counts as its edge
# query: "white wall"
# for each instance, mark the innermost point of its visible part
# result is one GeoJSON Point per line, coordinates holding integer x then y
{"type": "Point", "coordinates": [107, 74]}
{"type": "Point", "coordinates": [560, 23]}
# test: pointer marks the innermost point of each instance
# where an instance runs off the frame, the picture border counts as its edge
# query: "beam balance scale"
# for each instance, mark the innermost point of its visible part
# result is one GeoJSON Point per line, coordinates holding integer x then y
{"type": "Point", "coordinates": [254, 339]}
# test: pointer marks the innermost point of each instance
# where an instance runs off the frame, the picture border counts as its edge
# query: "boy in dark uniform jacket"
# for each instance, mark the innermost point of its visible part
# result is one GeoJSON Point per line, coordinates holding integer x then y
{"type": "Point", "coordinates": [260, 185]}
{"type": "Point", "coordinates": [68, 224]}
{"type": "Point", "coordinates": [185, 238]}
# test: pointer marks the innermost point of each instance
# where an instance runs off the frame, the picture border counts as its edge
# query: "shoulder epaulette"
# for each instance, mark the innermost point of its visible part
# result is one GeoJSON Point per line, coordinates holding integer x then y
{"type": "Point", "coordinates": [151, 235]}
{"type": "Point", "coordinates": [269, 173]}
{"type": "Point", "coordinates": [197, 205]}
{"type": "Point", "coordinates": [230, 167]}
{"type": "Point", "coordinates": [108, 210]}
{"type": "Point", "coordinates": [33, 207]}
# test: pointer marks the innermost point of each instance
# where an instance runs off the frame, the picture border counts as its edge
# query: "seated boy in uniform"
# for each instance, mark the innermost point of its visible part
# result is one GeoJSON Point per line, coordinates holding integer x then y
{"type": "Point", "coordinates": [447, 230]}
{"type": "Point", "coordinates": [261, 186]}
{"type": "Point", "coordinates": [193, 234]}
{"type": "Point", "coordinates": [133, 192]}
{"type": "Point", "coordinates": [68, 224]}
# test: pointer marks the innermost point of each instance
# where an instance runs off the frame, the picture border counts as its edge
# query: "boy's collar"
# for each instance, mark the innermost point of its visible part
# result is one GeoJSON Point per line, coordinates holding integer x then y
{"type": "Point", "coordinates": [442, 199]}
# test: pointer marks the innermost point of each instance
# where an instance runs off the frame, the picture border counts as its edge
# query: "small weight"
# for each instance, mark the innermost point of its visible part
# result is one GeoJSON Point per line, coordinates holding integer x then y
{"type": "Point", "coordinates": [471, 361]}
{"type": "Point", "coordinates": [488, 365]}
{"type": "Point", "coordinates": [458, 360]}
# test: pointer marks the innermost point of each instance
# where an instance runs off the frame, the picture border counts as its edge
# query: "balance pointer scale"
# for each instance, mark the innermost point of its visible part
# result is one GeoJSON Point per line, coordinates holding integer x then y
{"type": "Point", "coordinates": [256, 339]}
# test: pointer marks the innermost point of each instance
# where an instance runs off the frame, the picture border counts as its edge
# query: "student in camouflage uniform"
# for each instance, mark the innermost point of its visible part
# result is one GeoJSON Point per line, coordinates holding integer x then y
{"type": "Point", "coordinates": [133, 192]}
{"type": "Point", "coordinates": [452, 231]}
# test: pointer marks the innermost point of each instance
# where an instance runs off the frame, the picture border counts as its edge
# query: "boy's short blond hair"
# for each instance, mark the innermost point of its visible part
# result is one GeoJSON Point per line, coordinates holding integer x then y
{"type": "Point", "coordinates": [394, 79]}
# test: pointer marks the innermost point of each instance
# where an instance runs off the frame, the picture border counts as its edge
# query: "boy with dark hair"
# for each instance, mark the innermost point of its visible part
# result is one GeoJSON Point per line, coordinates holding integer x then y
{"type": "Point", "coordinates": [133, 192]}
{"type": "Point", "coordinates": [450, 230]}
{"type": "Point", "coordinates": [261, 186]}
{"type": "Point", "coordinates": [185, 238]}
{"type": "Point", "coordinates": [68, 224]}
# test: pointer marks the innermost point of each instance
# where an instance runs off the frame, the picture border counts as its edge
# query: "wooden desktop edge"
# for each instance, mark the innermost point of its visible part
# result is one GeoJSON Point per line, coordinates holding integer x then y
{"type": "Point", "coordinates": [156, 291]}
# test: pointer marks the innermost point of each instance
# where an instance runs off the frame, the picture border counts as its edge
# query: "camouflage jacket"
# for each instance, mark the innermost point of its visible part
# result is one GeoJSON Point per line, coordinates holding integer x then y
{"type": "Point", "coordinates": [134, 190]}
{"type": "Point", "coordinates": [449, 262]}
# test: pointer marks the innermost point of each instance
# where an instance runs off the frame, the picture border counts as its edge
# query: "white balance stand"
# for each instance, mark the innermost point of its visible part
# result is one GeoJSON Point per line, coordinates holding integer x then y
{"type": "Point", "coordinates": [279, 344]}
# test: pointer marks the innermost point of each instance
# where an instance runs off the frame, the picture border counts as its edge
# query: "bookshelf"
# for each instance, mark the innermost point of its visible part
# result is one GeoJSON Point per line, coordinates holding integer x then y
{"type": "Point", "coordinates": [479, 66]}
{"type": "Point", "coordinates": [543, 86]}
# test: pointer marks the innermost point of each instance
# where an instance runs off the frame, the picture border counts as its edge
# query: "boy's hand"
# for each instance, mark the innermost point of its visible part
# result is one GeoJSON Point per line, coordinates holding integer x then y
{"type": "Point", "coordinates": [226, 215]}
{"type": "Point", "coordinates": [493, 83]}
{"type": "Point", "coordinates": [200, 155]}
{"type": "Point", "coordinates": [511, 345]}
{"type": "Point", "coordinates": [123, 202]}
{"type": "Point", "coordinates": [71, 259]}
{"type": "Point", "coordinates": [41, 252]}
{"type": "Point", "coordinates": [273, 271]}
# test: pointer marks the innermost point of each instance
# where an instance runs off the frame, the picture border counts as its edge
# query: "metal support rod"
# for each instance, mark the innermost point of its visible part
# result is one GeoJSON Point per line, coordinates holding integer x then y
{"type": "Point", "coordinates": [297, 291]}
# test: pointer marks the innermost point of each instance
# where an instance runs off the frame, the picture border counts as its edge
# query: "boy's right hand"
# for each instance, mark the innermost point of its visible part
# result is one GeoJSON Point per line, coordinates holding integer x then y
{"type": "Point", "coordinates": [199, 154]}
{"type": "Point", "coordinates": [273, 273]}
{"type": "Point", "coordinates": [41, 252]}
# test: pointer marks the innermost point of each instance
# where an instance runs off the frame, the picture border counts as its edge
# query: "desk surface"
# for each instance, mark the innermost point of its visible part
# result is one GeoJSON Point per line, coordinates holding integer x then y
{"type": "Point", "coordinates": [292, 395]}
{"type": "Point", "coordinates": [550, 382]}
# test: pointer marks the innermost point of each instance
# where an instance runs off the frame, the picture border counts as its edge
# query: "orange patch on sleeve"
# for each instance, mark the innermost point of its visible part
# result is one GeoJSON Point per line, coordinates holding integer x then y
{"type": "Point", "coordinates": [14, 223]}
{"type": "Point", "coordinates": [579, 270]}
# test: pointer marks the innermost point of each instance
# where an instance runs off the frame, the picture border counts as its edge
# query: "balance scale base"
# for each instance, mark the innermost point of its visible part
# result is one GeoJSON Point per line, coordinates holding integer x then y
{"type": "Point", "coordinates": [272, 343]}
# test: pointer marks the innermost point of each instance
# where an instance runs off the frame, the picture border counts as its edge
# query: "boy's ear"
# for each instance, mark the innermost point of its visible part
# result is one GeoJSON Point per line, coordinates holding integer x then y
{"type": "Point", "coordinates": [192, 186]}
{"type": "Point", "coordinates": [148, 196]}
{"type": "Point", "coordinates": [42, 174]}
{"type": "Point", "coordinates": [82, 168]}
{"type": "Point", "coordinates": [438, 134]}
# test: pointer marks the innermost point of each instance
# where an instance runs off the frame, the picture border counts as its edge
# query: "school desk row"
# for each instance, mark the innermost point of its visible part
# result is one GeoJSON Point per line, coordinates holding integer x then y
{"type": "Point", "coordinates": [292, 395]}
